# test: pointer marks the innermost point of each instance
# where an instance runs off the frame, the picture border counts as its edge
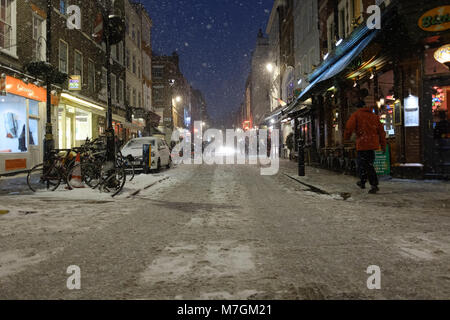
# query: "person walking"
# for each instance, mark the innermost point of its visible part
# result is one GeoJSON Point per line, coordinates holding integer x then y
{"type": "Point", "coordinates": [370, 136]}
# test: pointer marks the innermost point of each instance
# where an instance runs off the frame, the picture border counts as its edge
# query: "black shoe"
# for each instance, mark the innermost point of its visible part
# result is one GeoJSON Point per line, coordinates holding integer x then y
{"type": "Point", "coordinates": [374, 190]}
{"type": "Point", "coordinates": [361, 185]}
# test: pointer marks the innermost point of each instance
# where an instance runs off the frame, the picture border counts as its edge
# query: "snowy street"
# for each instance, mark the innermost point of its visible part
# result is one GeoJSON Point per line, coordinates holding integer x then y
{"type": "Point", "coordinates": [226, 232]}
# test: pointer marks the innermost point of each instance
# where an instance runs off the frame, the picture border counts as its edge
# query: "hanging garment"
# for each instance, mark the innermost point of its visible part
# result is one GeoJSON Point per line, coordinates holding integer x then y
{"type": "Point", "coordinates": [22, 141]}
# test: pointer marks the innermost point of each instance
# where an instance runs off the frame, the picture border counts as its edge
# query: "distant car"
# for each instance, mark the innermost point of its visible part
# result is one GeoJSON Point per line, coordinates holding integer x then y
{"type": "Point", "coordinates": [160, 154]}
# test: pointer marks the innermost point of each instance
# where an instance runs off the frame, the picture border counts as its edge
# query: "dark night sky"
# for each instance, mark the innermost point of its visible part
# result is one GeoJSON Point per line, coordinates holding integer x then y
{"type": "Point", "coordinates": [214, 39]}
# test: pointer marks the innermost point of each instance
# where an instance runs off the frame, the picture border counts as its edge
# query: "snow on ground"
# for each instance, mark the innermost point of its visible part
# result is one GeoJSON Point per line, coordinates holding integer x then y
{"type": "Point", "coordinates": [32, 219]}
{"type": "Point", "coordinates": [225, 232]}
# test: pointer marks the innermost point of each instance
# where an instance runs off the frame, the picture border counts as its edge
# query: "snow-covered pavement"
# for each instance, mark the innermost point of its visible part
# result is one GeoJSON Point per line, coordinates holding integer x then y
{"type": "Point", "coordinates": [207, 232]}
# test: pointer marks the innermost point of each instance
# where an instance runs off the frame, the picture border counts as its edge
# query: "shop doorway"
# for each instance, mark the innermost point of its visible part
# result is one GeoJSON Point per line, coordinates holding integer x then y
{"type": "Point", "coordinates": [437, 128]}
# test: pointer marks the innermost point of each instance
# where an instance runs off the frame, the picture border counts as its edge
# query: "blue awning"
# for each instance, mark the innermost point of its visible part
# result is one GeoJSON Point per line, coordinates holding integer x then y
{"type": "Point", "coordinates": [340, 65]}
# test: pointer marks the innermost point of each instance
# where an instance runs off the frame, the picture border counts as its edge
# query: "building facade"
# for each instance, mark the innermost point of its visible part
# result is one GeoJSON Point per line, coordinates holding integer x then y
{"type": "Point", "coordinates": [79, 110]}
{"type": "Point", "coordinates": [171, 94]}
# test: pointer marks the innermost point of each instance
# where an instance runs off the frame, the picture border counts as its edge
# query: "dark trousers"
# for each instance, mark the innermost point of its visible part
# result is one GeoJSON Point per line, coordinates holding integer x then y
{"type": "Point", "coordinates": [367, 170]}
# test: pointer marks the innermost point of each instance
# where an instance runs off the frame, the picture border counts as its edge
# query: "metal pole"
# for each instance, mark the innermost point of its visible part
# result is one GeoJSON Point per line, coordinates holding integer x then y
{"type": "Point", "coordinates": [301, 158]}
{"type": "Point", "coordinates": [110, 142]}
{"type": "Point", "coordinates": [48, 142]}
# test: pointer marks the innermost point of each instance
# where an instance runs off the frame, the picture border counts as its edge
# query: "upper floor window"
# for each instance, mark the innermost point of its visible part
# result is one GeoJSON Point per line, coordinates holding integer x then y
{"type": "Point", "coordinates": [62, 6]}
{"type": "Point", "coordinates": [63, 56]}
{"type": "Point", "coordinates": [134, 64]}
{"type": "Point", "coordinates": [91, 76]}
{"type": "Point", "coordinates": [104, 90]}
{"type": "Point", "coordinates": [331, 35]}
{"type": "Point", "coordinates": [127, 58]}
{"type": "Point", "coordinates": [157, 72]}
{"type": "Point", "coordinates": [38, 39]}
{"type": "Point", "coordinates": [120, 91]}
{"type": "Point", "coordinates": [8, 26]}
{"type": "Point", "coordinates": [78, 63]}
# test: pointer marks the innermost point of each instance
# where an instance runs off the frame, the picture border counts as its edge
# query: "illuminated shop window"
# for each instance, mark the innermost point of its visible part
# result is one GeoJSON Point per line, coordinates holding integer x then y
{"type": "Point", "coordinates": [13, 124]}
{"type": "Point", "coordinates": [83, 125]}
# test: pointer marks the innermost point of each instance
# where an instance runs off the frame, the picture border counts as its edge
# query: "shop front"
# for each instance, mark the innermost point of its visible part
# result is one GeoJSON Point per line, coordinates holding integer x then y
{"type": "Point", "coordinates": [436, 132]}
{"type": "Point", "coordinates": [78, 119]}
{"type": "Point", "coordinates": [22, 125]}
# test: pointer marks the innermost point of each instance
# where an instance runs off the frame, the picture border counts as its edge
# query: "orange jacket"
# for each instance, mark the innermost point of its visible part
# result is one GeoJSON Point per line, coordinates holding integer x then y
{"type": "Point", "coordinates": [370, 134]}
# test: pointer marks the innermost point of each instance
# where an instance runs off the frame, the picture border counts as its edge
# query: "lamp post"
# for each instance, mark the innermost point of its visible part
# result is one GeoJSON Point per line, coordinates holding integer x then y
{"type": "Point", "coordinates": [111, 36]}
{"type": "Point", "coordinates": [48, 142]}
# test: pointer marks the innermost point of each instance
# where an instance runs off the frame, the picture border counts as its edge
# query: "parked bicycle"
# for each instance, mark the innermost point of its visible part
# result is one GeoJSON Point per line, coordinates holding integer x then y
{"type": "Point", "coordinates": [97, 172]}
{"type": "Point", "coordinates": [50, 177]}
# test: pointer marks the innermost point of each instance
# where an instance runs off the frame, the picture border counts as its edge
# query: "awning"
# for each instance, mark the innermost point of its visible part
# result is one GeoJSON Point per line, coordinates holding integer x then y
{"type": "Point", "coordinates": [336, 68]}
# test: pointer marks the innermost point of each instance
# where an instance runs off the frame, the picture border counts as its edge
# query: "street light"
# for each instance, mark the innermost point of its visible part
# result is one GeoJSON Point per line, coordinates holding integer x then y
{"type": "Point", "coordinates": [178, 99]}
{"type": "Point", "coordinates": [269, 67]}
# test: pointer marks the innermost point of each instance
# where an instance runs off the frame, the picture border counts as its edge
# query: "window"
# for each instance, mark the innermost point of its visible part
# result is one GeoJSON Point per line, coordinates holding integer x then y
{"type": "Point", "coordinates": [78, 64]}
{"type": "Point", "coordinates": [330, 33]}
{"type": "Point", "coordinates": [134, 97]}
{"type": "Point", "coordinates": [139, 39]}
{"type": "Point", "coordinates": [63, 55]}
{"type": "Point", "coordinates": [120, 91]}
{"type": "Point", "coordinates": [158, 93]}
{"type": "Point", "coordinates": [128, 59]}
{"type": "Point", "coordinates": [134, 64]}
{"type": "Point", "coordinates": [62, 6]}
{"type": "Point", "coordinates": [128, 95]}
{"type": "Point", "coordinates": [157, 72]}
{"type": "Point", "coordinates": [139, 69]}
{"type": "Point", "coordinates": [13, 124]}
{"type": "Point", "coordinates": [104, 89]}
{"type": "Point", "coordinates": [38, 39]}
{"type": "Point", "coordinates": [133, 33]}
{"type": "Point", "coordinates": [120, 54]}
{"type": "Point", "coordinates": [8, 26]}
{"type": "Point", "coordinates": [91, 76]}
{"type": "Point", "coordinates": [139, 104]}
{"type": "Point", "coordinates": [113, 87]}
{"type": "Point", "coordinates": [114, 52]}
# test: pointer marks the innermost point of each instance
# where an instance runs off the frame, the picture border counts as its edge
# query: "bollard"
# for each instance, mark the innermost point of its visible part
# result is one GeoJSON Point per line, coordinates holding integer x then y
{"type": "Point", "coordinates": [146, 158]}
{"type": "Point", "coordinates": [301, 158]}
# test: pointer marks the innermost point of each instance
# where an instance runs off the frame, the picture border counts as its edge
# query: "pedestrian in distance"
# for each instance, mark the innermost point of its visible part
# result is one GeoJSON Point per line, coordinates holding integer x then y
{"type": "Point", "coordinates": [370, 136]}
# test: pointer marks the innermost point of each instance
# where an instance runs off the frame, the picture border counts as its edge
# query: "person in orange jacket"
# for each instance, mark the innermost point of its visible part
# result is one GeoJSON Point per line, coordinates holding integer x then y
{"type": "Point", "coordinates": [370, 136]}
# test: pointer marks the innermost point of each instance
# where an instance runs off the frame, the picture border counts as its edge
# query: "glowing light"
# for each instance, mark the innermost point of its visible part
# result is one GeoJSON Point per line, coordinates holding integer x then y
{"type": "Point", "coordinates": [81, 101]}
{"type": "Point", "coordinates": [326, 56]}
{"type": "Point", "coordinates": [178, 99]}
{"type": "Point", "coordinates": [442, 54]}
{"type": "Point", "coordinates": [339, 42]}
{"type": "Point", "coordinates": [269, 67]}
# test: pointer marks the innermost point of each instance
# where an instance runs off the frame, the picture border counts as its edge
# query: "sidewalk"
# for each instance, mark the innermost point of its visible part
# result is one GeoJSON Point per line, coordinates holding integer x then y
{"type": "Point", "coordinates": [13, 185]}
{"type": "Point", "coordinates": [393, 192]}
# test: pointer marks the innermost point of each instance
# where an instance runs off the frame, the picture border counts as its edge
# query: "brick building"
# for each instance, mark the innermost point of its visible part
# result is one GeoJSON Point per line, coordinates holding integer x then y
{"type": "Point", "coordinates": [171, 94]}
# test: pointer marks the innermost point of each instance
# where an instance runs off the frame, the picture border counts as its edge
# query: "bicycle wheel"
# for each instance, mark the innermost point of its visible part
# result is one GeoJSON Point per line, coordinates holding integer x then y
{"type": "Point", "coordinates": [37, 179]}
{"type": "Point", "coordinates": [114, 180]}
{"type": "Point", "coordinates": [90, 175]}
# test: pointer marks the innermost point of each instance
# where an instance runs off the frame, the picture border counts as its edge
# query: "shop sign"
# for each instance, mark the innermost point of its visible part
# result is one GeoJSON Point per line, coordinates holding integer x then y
{"type": "Point", "coordinates": [412, 111]}
{"type": "Point", "coordinates": [435, 20]}
{"type": "Point", "coordinates": [139, 113]}
{"type": "Point", "coordinates": [75, 83]}
{"type": "Point", "coordinates": [383, 162]}
{"type": "Point", "coordinates": [29, 91]}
